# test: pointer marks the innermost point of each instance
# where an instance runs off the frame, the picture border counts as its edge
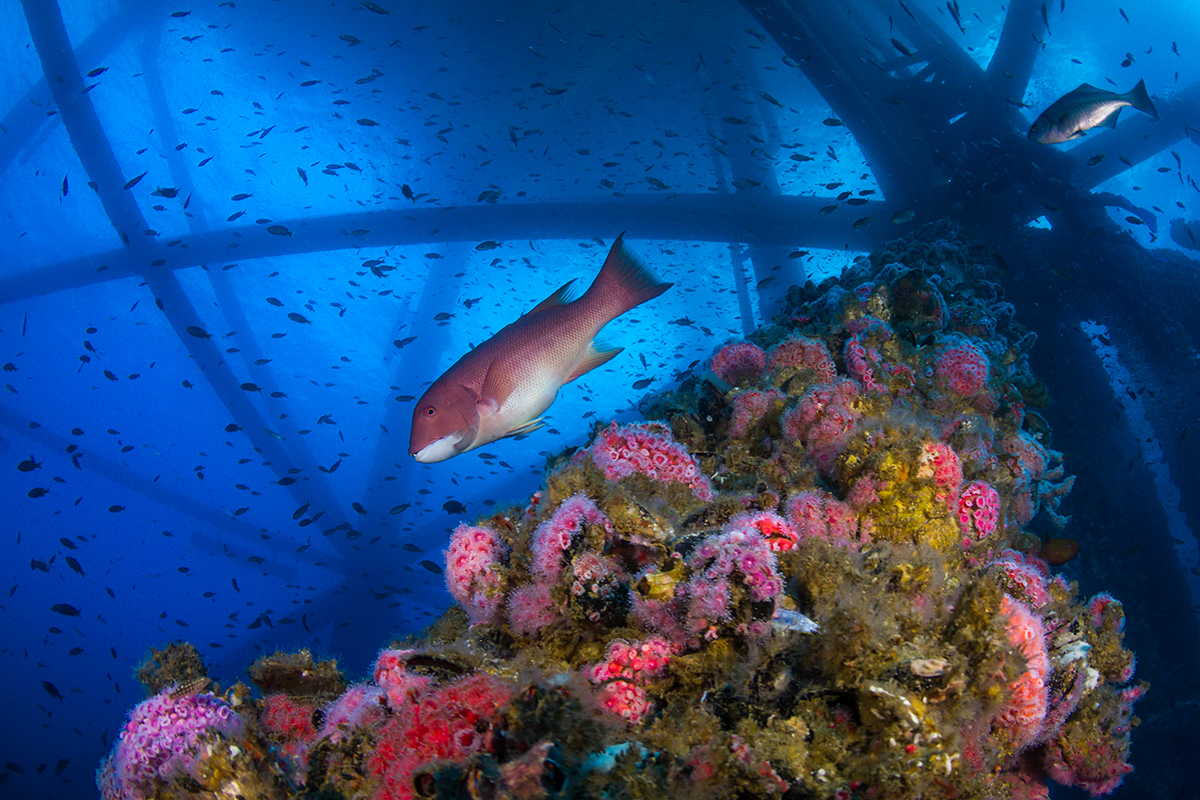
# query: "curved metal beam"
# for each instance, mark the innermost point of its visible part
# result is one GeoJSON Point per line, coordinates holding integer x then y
{"type": "Point", "coordinates": [750, 217]}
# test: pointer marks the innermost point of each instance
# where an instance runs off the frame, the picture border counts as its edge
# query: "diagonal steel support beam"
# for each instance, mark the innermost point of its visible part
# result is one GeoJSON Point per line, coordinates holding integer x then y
{"type": "Point", "coordinates": [87, 137]}
{"type": "Point", "coordinates": [1011, 66]}
{"type": "Point", "coordinates": [95, 153]}
{"type": "Point", "coordinates": [123, 476]}
{"type": "Point", "coordinates": [316, 488]}
{"type": "Point", "coordinates": [30, 116]}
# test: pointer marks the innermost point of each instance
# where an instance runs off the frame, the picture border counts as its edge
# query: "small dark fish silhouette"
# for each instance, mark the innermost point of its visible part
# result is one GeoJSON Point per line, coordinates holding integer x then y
{"type": "Point", "coordinates": [454, 507]}
{"type": "Point", "coordinates": [29, 465]}
{"type": "Point", "coordinates": [432, 567]}
{"type": "Point", "coordinates": [66, 610]}
{"type": "Point", "coordinates": [53, 691]}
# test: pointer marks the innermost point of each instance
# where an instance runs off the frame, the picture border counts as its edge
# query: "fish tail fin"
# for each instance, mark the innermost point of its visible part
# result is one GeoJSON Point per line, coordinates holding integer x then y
{"type": "Point", "coordinates": [1139, 98]}
{"type": "Point", "coordinates": [624, 282]}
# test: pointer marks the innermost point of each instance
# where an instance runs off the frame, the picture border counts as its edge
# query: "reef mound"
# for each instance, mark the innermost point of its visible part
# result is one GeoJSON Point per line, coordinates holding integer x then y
{"type": "Point", "coordinates": [809, 573]}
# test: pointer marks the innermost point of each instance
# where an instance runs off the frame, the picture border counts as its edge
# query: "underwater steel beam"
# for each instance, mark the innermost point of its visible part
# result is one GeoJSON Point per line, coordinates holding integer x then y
{"type": "Point", "coordinates": [123, 476]}
{"type": "Point", "coordinates": [807, 33]}
{"type": "Point", "coordinates": [1011, 66]}
{"type": "Point", "coordinates": [749, 218]}
{"type": "Point", "coordinates": [28, 116]}
{"type": "Point", "coordinates": [765, 261]}
{"type": "Point", "coordinates": [95, 153]}
{"type": "Point", "coordinates": [392, 445]}
{"type": "Point", "coordinates": [317, 488]}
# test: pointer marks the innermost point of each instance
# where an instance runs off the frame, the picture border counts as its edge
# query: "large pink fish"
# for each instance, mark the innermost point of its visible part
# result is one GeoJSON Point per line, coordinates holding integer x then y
{"type": "Point", "coordinates": [502, 386]}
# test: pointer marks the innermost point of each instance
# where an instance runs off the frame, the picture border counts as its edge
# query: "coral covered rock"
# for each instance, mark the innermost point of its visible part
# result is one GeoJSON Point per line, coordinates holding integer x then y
{"type": "Point", "coordinates": [807, 574]}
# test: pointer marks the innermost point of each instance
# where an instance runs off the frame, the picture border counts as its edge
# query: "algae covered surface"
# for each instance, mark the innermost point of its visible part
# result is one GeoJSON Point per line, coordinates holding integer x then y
{"type": "Point", "coordinates": [808, 572]}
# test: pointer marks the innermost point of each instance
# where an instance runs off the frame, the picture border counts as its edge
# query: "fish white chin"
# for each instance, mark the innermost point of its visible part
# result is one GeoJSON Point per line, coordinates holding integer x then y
{"type": "Point", "coordinates": [439, 449]}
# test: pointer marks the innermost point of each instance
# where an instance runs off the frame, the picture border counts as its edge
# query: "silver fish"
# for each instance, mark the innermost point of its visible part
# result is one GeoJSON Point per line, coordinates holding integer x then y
{"type": "Point", "coordinates": [785, 619]}
{"type": "Point", "coordinates": [1085, 108]}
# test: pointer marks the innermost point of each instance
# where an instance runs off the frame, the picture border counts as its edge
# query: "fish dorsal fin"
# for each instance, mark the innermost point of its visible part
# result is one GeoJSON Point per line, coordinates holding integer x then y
{"type": "Point", "coordinates": [595, 355]}
{"type": "Point", "coordinates": [1087, 87]}
{"type": "Point", "coordinates": [498, 384]}
{"type": "Point", "coordinates": [561, 297]}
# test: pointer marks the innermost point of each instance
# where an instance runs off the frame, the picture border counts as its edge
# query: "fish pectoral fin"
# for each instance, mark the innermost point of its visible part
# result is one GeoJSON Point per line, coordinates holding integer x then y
{"type": "Point", "coordinates": [498, 384]}
{"type": "Point", "coordinates": [563, 295]}
{"type": "Point", "coordinates": [1076, 135]}
{"type": "Point", "coordinates": [595, 356]}
{"type": "Point", "coordinates": [525, 427]}
{"type": "Point", "coordinates": [1111, 120]}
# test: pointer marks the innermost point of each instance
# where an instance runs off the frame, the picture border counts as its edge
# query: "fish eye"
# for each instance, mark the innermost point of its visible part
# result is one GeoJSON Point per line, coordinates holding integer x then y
{"type": "Point", "coordinates": [430, 411]}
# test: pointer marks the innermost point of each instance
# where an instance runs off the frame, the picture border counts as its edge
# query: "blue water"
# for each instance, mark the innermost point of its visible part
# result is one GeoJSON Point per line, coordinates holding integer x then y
{"type": "Point", "coordinates": [213, 356]}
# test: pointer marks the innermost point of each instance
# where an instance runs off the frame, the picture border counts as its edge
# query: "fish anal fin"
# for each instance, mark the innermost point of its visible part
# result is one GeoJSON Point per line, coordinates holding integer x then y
{"type": "Point", "coordinates": [525, 427]}
{"type": "Point", "coordinates": [1111, 120]}
{"type": "Point", "coordinates": [595, 356]}
{"type": "Point", "coordinates": [563, 295]}
{"type": "Point", "coordinates": [498, 384]}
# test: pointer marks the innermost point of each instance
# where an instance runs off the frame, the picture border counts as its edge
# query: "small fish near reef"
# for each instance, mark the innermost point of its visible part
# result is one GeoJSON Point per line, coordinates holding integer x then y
{"type": "Point", "coordinates": [501, 387]}
{"type": "Point", "coordinates": [1087, 107]}
{"type": "Point", "coordinates": [1058, 551]}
